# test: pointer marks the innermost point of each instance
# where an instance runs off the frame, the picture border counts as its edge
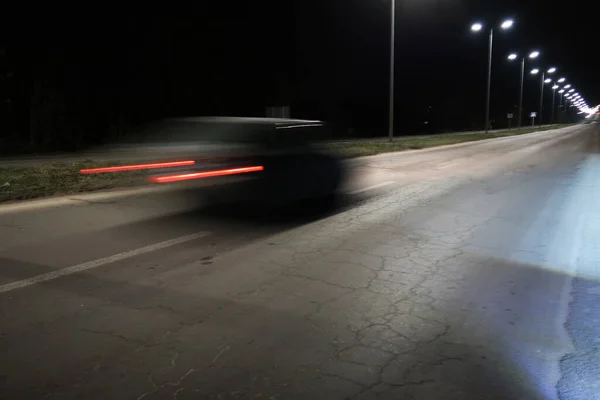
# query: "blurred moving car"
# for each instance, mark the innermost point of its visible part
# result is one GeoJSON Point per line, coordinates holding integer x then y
{"type": "Point", "coordinates": [235, 159]}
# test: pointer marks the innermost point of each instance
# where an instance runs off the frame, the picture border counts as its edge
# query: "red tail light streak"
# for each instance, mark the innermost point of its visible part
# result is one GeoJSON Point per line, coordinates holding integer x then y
{"type": "Point", "coordinates": [136, 167]}
{"type": "Point", "coordinates": [205, 174]}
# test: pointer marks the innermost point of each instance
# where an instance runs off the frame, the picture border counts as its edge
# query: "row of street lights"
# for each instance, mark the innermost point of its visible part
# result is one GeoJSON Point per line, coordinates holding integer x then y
{"type": "Point", "coordinates": [574, 98]}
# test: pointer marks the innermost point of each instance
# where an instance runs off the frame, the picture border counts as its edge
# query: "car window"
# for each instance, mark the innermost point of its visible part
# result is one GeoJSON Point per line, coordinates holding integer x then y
{"type": "Point", "coordinates": [171, 132]}
{"type": "Point", "coordinates": [304, 134]}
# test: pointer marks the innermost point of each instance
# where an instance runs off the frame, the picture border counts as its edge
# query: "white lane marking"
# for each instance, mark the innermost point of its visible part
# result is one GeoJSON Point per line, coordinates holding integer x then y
{"type": "Point", "coordinates": [98, 263]}
{"type": "Point", "coordinates": [371, 187]}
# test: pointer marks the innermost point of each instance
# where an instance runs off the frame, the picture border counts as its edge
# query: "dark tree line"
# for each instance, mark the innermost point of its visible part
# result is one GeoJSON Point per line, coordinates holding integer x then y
{"type": "Point", "coordinates": [73, 83]}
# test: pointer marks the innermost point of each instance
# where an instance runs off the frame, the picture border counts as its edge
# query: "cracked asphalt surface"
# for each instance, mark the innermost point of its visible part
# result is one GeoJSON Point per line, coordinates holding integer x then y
{"type": "Point", "coordinates": [471, 274]}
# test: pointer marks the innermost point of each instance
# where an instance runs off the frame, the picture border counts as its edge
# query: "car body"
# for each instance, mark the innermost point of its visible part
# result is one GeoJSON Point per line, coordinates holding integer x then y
{"type": "Point", "coordinates": [233, 159]}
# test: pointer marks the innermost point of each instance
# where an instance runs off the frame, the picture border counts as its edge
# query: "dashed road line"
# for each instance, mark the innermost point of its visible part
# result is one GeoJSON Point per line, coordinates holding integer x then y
{"type": "Point", "coordinates": [99, 262]}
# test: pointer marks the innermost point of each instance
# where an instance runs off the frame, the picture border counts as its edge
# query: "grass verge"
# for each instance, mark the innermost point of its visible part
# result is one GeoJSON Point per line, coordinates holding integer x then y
{"type": "Point", "coordinates": [22, 183]}
{"type": "Point", "coordinates": [402, 144]}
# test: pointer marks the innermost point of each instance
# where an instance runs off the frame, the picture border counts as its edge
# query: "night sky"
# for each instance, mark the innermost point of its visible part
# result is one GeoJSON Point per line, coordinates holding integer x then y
{"type": "Point", "coordinates": [80, 73]}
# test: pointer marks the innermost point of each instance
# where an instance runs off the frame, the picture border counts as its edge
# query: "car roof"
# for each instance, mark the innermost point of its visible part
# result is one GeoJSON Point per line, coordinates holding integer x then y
{"type": "Point", "coordinates": [276, 122]}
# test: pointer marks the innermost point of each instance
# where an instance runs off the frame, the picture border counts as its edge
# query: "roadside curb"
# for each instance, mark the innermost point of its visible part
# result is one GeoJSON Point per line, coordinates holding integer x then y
{"type": "Point", "coordinates": [78, 199]}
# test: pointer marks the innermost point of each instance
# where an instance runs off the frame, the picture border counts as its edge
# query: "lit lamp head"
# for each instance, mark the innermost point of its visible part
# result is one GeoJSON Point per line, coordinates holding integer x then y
{"type": "Point", "coordinates": [477, 26]}
{"type": "Point", "coordinates": [507, 24]}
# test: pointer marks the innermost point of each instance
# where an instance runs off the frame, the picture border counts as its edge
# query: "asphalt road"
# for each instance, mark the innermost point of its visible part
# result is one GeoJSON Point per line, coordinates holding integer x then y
{"type": "Point", "coordinates": [464, 272]}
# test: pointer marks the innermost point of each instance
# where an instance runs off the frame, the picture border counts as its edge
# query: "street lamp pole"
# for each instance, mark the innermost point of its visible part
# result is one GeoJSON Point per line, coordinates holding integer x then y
{"type": "Point", "coordinates": [392, 50]}
{"type": "Point", "coordinates": [542, 96]}
{"type": "Point", "coordinates": [560, 104]}
{"type": "Point", "coordinates": [489, 82]}
{"type": "Point", "coordinates": [521, 92]}
{"type": "Point", "coordinates": [553, 103]}
{"type": "Point", "coordinates": [561, 92]}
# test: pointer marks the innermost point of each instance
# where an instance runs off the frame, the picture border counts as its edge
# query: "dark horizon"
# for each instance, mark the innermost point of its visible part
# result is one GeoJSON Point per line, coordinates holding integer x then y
{"type": "Point", "coordinates": [70, 82]}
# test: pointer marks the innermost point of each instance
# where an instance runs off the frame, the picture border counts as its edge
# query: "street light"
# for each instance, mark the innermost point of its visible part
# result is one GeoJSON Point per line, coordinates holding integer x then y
{"type": "Point", "coordinates": [560, 103]}
{"type": "Point", "coordinates": [561, 80]}
{"type": "Point", "coordinates": [477, 27]}
{"type": "Point", "coordinates": [567, 86]}
{"type": "Point", "coordinates": [536, 71]}
{"type": "Point", "coordinates": [392, 49]}
{"type": "Point", "coordinates": [572, 90]}
{"type": "Point", "coordinates": [553, 103]}
{"type": "Point", "coordinates": [511, 57]}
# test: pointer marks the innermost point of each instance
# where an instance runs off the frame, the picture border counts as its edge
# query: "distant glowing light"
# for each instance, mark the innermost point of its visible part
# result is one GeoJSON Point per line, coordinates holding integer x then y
{"type": "Point", "coordinates": [561, 80]}
{"type": "Point", "coordinates": [567, 86]}
{"type": "Point", "coordinates": [571, 91]}
{"type": "Point", "coordinates": [555, 87]}
{"type": "Point", "coordinates": [534, 54]}
{"type": "Point", "coordinates": [512, 56]}
{"type": "Point", "coordinates": [561, 91]}
{"type": "Point", "coordinates": [535, 71]}
{"type": "Point", "coordinates": [476, 27]}
{"type": "Point", "coordinates": [507, 24]}
{"type": "Point", "coordinates": [552, 70]}
{"type": "Point", "coordinates": [548, 80]}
